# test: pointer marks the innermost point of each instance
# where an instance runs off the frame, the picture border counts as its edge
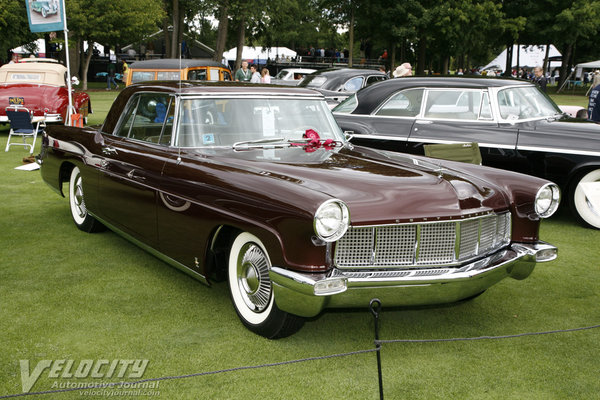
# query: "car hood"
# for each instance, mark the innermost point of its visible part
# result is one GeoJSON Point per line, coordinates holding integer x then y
{"type": "Point", "coordinates": [378, 187]}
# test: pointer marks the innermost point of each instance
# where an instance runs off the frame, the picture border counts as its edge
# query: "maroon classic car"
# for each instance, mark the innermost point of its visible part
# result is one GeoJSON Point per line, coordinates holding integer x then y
{"type": "Point", "coordinates": [40, 86]}
{"type": "Point", "coordinates": [257, 185]}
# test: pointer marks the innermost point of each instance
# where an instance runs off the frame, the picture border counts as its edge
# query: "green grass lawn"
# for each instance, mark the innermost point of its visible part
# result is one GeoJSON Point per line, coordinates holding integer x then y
{"type": "Point", "coordinates": [66, 294]}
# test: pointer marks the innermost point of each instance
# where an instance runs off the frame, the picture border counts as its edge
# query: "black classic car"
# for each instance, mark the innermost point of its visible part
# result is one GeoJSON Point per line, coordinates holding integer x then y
{"type": "Point", "coordinates": [258, 186]}
{"type": "Point", "coordinates": [517, 127]}
{"type": "Point", "coordinates": [336, 84]}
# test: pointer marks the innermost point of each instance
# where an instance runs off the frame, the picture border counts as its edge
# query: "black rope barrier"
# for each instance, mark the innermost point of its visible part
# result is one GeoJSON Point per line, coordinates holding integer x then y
{"type": "Point", "coordinates": [165, 378]}
{"type": "Point", "coordinates": [375, 307]}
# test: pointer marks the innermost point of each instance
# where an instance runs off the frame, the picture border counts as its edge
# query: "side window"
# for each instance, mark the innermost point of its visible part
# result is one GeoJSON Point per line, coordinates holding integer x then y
{"type": "Point", "coordinates": [127, 118]}
{"type": "Point", "coordinates": [226, 76]}
{"type": "Point", "coordinates": [140, 76]}
{"type": "Point", "coordinates": [197, 75]}
{"type": "Point", "coordinates": [454, 104]}
{"type": "Point", "coordinates": [168, 75]}
{"type": "Point", "coordinates": [347, 106]}
{"type": "Point", "coordinates": [406, 103]}
{"type": "Point", "coordinates": [374, 78]}
{"type": "Point", "coordinates": [353, 84]}
{"type": "Point", "coordinates": [146, 116]}
{"type": "Point", "coordinates": [165, 137]}
{"type": "Point", "coordinates": [486, 110]}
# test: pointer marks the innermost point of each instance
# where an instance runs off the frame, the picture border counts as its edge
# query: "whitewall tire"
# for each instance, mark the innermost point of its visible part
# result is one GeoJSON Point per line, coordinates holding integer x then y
{"type": "Point", "coordinates": [252, 291]}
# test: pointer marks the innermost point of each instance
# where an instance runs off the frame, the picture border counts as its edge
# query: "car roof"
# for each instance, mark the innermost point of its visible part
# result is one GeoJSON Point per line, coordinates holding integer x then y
{"type": "Point", "coordinates": [175, 63]}
{"type": "Point", "coordinates": [221, 87]}
{"type": "Point", "coordinates": [372, 95]}
{"type": "Point", "coordinates": [337, 76]}
{"type": "Point", "coordinates": [47, 73]}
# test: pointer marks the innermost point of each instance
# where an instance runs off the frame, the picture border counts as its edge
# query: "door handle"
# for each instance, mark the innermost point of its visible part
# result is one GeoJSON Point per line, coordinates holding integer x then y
{"type": "Point", "coordinates": [423, 122]}
{"type": "Point", "coordinates": [109, 151]}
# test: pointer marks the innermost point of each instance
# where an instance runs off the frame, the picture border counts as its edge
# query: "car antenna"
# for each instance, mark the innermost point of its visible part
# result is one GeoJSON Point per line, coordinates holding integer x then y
{"type": "Point", "coordinates": [179, 66]}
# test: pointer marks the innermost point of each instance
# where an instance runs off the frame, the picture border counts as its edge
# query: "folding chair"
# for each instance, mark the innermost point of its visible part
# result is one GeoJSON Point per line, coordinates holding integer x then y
{"type": "Point", "coordinates": [464, 152]}
{"type": "Point", "coordinates": [21, 125]}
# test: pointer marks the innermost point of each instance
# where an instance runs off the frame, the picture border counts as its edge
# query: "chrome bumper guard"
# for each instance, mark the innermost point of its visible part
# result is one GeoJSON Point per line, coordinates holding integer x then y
{"type": "Point", "coordinates": [307, 294]}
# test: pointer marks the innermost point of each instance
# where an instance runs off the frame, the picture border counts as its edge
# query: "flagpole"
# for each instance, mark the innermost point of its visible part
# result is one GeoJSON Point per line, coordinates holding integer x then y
{"type": "Point", "coordinates": [70, 110]}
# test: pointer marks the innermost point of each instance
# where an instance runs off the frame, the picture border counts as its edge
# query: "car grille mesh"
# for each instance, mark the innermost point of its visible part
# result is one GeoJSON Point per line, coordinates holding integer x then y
{"type": "Point", "coordinates": [422, 244]}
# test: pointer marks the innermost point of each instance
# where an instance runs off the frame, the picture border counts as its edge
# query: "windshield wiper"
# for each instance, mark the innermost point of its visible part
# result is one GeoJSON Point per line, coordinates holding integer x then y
{"type": "Point", "coordinates": [258, 143]}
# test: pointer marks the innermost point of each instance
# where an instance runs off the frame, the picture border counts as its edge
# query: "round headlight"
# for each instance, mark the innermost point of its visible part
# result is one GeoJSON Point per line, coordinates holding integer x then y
{"type": "Point", "coordinates": [547, 200]}
{"type": "Point", "coordinates": [331, 220]}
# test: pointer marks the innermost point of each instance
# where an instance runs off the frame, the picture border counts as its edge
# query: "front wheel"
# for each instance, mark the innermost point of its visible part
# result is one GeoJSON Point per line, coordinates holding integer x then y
{"type": "Point", "coordinates": [251, 290]}
{"type": "Point", "coordinates": [83, 220]}
{"type": "Point", "coordinates": [585, 198]}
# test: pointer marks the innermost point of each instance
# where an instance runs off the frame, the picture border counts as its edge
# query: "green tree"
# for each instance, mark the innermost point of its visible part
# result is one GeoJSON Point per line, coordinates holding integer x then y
{"type": "Point", "coordinates": [109, 22]}
{"type": "Point", "coordinates": [14, 26]}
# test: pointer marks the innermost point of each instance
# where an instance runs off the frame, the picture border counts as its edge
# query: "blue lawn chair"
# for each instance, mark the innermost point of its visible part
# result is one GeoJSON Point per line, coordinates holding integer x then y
{"type": "Point", "coordinates": [21, 125]}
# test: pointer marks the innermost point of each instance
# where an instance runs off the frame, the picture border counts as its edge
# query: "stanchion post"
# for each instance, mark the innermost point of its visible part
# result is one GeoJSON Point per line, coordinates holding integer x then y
{"type": "Point", "coordinates": [375, 307]}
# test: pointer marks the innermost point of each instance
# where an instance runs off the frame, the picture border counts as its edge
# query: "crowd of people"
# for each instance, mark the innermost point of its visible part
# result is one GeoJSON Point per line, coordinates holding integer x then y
{"type": "Point", "coordinates": [252, 75]}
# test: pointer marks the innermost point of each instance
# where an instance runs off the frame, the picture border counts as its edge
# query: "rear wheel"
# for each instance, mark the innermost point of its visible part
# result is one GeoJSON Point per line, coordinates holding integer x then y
{"type": "Point", "coordinates": [83, 220]}
{"type": "Point", "coordinates": [585, 198]}
{"type": "Point", "coordinates": [252, 290]}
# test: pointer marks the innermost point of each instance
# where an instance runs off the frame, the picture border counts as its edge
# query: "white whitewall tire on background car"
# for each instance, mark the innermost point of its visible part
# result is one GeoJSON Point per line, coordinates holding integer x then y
{"type": "Point", "coordinates": [586, 198]}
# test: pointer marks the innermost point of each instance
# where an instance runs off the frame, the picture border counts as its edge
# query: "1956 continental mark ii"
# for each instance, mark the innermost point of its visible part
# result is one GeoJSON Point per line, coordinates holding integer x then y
{"type": "Point", "coordinates": [258, 185]}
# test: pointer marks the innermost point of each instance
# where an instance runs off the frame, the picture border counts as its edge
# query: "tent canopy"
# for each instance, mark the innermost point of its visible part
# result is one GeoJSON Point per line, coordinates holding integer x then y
{"type": "Point", "coordinates": [529, 56]}
{"type": "Point", "coordinates": [591, 64]}
{"type": "Point", "coordinates": [259, 53]}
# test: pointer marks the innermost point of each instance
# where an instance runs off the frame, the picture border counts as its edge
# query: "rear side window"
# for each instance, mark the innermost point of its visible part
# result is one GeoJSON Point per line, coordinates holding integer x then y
{"type": "Point", "coordinates": [168, 75]}
{"type": "Point", "coordinates": [148, 117]}
{"type": "Point", "coordinates": [347, 106]}
{"type": "Point", "coordinates": [140, 76]}
{"type": "Point", "coordinates": [406, 103]}
{"type": "Point", "coordinates": [460, 104]}
{"type": "Point", "coordinates": [353, 84]}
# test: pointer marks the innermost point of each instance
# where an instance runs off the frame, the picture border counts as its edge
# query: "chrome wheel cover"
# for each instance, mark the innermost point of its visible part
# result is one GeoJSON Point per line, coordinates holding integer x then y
{"type": "Point", "coordinates": [253, 277]}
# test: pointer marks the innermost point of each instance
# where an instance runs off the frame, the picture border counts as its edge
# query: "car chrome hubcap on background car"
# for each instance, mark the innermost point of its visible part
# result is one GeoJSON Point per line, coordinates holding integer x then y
{"type": "Point", "coordinates": [253, 277]}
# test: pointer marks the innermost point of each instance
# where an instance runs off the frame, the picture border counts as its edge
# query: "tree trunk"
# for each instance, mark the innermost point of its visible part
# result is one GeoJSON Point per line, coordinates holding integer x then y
{"type": "Point", "coordinates": [546, 58]}
{"type": "Point", "coordinates": [241, 36]}
{"type": "Point", "coordinates": [422, 52]}
{"type": "Point", "coordinates": [85, 65]}
{"type": "Point", "coordinates": [167, 38]}
{"type": "Point", "coordinates": [222, 31]}
{"type": "Point", "coordinates": [351, 39]}
{"type": "Point", "coordinates": [564, 68]}
{"type": "Point", "coordinates": [509, 57]}
{"type": "Point", "coordinates": [175, 34]}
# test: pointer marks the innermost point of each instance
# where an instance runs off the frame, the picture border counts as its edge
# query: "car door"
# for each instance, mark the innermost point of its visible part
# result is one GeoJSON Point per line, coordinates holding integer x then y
{"type": "Point", "coordinates": [456, 115]}
{"type": "Point", "coordinates": [133, 159]}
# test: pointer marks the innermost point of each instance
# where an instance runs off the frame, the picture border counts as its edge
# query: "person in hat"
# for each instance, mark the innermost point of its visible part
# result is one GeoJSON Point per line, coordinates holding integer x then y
{"type": "Point", "coordinates": [403, 70]}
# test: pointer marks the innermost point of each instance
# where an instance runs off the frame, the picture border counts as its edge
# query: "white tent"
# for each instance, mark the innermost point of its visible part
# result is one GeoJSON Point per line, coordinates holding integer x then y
{"type": "Point", "coordinates": [259, 54]}
{"type": "Point", "coordinates": [589, 65]}
{"type": "Point", "coordinates": [529, 56]}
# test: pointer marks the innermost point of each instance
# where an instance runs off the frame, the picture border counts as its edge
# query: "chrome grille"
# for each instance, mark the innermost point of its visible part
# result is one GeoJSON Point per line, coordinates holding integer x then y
{"type": "Point", "coordinates": [422, 244]}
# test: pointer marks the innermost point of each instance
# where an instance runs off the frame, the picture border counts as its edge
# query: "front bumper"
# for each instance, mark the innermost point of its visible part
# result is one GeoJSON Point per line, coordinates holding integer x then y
{"type": "Point", "coordinates": [307, 294]}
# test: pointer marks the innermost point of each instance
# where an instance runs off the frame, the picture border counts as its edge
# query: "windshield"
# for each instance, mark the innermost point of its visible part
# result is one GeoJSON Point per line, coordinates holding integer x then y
{"type": "Point", "coordinates": [525, 103]}
{"type": "Point", "coordinates": [223, 122]}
